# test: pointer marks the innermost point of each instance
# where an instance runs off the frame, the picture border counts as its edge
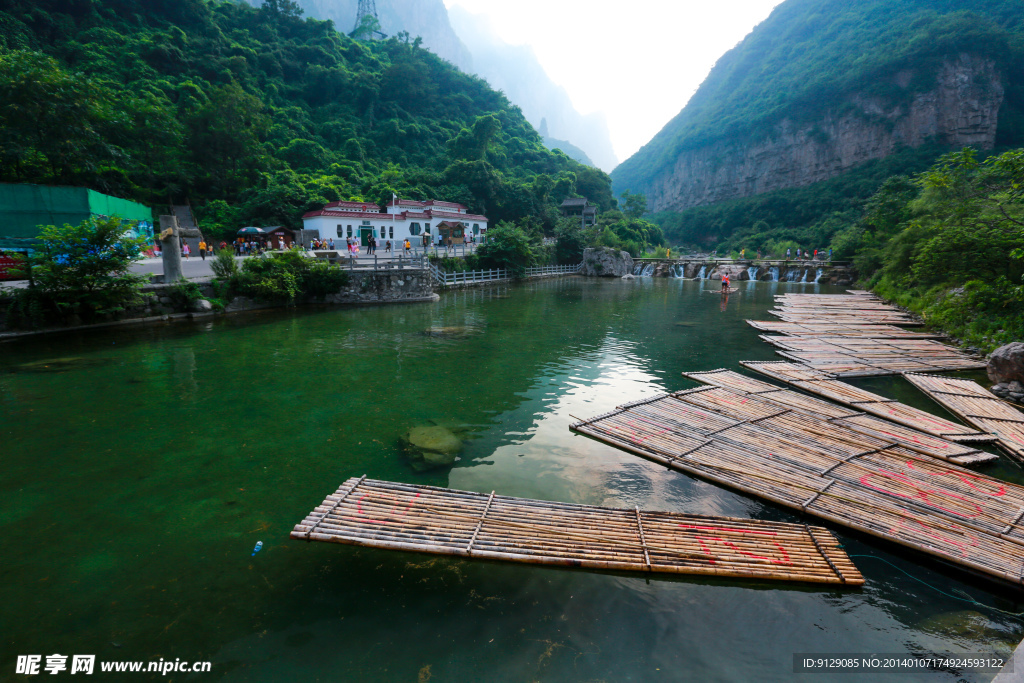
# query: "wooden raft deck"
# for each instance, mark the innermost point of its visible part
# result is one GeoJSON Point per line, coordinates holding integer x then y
{"type": "Point", "coordinates": [834, 330]}
{"type": "Point", "coordinates": [854, 420]}
{"type": "Point", "coordinates": [823, 385]}
{"type": "Point", "coordinates": [752, 445]}
{"type": "Point", "coordinates": [975, 405]}
{"type": "Point", "coordinates": [864, 357]}
{"type": "Point", "coordinates": [442, 521]}
{"type": "Point", "coordinates": [844, 309]}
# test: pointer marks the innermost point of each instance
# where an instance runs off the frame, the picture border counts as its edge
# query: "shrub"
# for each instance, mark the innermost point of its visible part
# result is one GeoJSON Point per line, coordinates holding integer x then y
{"type": "Point", "coordinates": [184, 294]}
{"type": "Point", "coordinates": [225, 266]}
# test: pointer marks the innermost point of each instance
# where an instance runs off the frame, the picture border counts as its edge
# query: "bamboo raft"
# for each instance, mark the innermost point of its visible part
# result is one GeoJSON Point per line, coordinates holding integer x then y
{"type": "Point", "coordinates": [970, 402]}
{"type": "Point", "coordinates": [440, 521]}
{"type": "Point", "coordinates": [844, 309]}
{"type": "Point", "coordinates": [750, 444]}
{"type": "Point", "coordinates": [835, 330]}
{"type": "Point", "coordinates": [864, 357]}
{"type": "Point", "coordinates": [855, 420]}
{"type": "Point", "coordinates": [823, 385]}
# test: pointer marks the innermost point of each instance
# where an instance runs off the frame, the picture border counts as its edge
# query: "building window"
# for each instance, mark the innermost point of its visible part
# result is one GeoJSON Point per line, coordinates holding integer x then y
{"type": "Point", "coordinates": [476, 228]}
{"type": "Point", "coordinates": [457, 232]}
{"type": "Point", "coordinates": [391, 232]}
{"type": "Point", "coordinates": [339, 231]}
{"type": "Point", "coordinates": [349, 231]}
{"type": "Point", "coordinates": [427, 229]}
{"type": "Point", "coordinates": [414, 228]}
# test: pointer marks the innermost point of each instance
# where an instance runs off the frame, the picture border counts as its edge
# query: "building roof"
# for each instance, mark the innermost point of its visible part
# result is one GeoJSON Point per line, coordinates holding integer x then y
{"type": "Point", "coordinates": [364, 215]}
{"type": "Point", "coordinates": [461, 216]}
{"type": "Point", "coordinates": [450, 205]}
{"type": "Point", "coordinates": [353, 205]}
{"type": "Point", "coordinates": [576, 201]}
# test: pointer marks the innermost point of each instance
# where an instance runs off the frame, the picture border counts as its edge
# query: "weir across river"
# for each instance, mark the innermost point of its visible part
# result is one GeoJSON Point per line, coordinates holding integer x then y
{"type": "Point", "coordinates": [738, 270]}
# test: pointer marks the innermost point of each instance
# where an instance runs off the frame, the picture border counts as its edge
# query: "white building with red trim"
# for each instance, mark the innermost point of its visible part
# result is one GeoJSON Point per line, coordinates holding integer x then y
{"type": "Point", "coordinates": [404, 218]}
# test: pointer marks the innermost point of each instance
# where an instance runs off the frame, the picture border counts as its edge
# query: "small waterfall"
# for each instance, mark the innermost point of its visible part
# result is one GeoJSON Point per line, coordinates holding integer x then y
{"type": "Point", "coordinates": [817, 276]}
{"type": "Point", "coordinates": [648, 270]}
{"type": "Point", "coordinates": [804, 278]}
{"type": "Point", "coordinates": [678, 271]}
{"type": "Point", "coordinates": [638, 268]}
{"type": "Point", "coordinates": [790, 275]}
{"type": "Point", "coordinates": [774, 270]}
{"type": "Point", "coordinates": [700, 273]}
{"type": "Point", "coordinates": [752, 272]}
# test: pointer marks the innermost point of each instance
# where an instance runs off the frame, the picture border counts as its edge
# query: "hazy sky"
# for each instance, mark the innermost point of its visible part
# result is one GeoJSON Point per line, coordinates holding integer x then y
{"type": "Point", "coordinates": [638, 61]}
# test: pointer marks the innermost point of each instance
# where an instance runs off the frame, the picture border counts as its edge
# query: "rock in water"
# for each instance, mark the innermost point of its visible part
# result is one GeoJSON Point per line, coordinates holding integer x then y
{"type": "Point", "coordinates": [56, 365]}
{"type": "Point", "coordinates": [449, 332]}
{"type": "Point", "coordinates": [606, 262]}
{"type": "Point", "coordinates": [1006, 363]}
{"type": "Point", "coordinates": [436, 445]}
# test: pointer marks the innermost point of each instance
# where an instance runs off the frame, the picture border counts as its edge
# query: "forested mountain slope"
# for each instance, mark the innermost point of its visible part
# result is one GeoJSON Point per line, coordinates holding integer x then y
{"type": "Point", "coordinates": [257, 115]}
{"type": "Point", "coordinates": [821, 87]}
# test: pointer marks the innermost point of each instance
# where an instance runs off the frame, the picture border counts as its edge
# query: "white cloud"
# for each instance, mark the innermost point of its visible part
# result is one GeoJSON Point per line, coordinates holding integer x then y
{"type": "Point", "coordinates": [637, 61]}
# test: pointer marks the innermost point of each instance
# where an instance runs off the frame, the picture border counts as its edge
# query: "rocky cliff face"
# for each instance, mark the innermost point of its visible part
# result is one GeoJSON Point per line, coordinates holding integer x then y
{"type": "Point", "coordinates": [962, 109]}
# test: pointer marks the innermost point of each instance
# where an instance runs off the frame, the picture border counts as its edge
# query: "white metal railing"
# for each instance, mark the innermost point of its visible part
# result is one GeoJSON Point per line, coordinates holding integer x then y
{"type": "Point", "coordinates": [472, 276]}
{"type": "Point", "coordinates": [553, 270]}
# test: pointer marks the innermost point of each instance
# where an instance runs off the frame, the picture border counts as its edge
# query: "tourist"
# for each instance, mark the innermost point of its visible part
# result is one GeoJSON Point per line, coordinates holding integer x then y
{"type": "Point", "coordinates": [830, 253]}
{"type": "Point", "coordinates": [373, 245]}
{"type": "Point", "coordinates": [787, 253]}
{"type": "Point", "coordinates": [815, 254]}
{"type": "Point", "coordinates": [185, 250]}
{"type": "Point", "coordinates": [387, 246]}
{"type": "Point", "coordinates": [743, 252]}
{"type": "Point", "coordinates": [407, 246]}
{"type": "Point", "coordinates": [202, 249]}
{"type": "Point", "coordinates": [725, 282]}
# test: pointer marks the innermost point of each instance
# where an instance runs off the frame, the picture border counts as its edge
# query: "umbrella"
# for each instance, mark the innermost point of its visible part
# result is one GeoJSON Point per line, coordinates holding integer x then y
{"type": "Point", "coordinates": [251, 231]}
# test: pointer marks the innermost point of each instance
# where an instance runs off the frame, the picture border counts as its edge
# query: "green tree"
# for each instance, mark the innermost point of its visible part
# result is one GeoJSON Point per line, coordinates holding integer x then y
{"type": "Point", "coordinates": [84, 270]}
{"type": "Point", "coordinates": [634, 204]}
{"type": "Point", "coordinates": [54, 124]}
{"type": "Point", "coordinates": [570, 241]}
{"type": "Point", "coordinates": [507, 246]}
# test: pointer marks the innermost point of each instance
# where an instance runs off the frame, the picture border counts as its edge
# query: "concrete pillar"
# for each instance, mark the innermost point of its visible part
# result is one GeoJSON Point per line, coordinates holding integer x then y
{"type": "Point", "coordinates": [170, 248]}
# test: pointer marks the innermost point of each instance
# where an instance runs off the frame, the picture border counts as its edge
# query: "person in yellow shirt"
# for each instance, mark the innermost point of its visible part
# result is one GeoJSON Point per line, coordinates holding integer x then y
{"type": "Point", "coordinates": [202, 249]}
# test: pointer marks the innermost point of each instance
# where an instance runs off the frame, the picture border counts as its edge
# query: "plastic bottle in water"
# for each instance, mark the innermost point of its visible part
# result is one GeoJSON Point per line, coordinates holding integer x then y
{"type": "Point", "coordinates": [259, 547]}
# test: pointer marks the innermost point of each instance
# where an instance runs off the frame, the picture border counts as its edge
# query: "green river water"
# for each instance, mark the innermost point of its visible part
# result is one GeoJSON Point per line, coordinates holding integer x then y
{"type": "Point", "coordinates": [140, 470]}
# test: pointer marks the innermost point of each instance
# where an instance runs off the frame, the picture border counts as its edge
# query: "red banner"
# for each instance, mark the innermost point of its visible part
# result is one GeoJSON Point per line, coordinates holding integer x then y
{"type": "Point", "coordinates": [11, 268]}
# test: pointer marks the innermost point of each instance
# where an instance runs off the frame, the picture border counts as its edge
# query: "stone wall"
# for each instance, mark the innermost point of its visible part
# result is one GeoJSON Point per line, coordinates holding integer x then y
{"type": "Point", "coordinates": [365, 287]}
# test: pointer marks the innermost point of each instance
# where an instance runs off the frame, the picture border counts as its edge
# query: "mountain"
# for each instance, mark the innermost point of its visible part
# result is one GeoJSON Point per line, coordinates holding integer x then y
{"type": "Point", "coordinates": [427, 19]}
{"type": "Point", "coordinates": [820, 88]}
{"type": "Point", "coordinates": [570, 149]}
{"type": "Point", "coordinates": [515, 71]}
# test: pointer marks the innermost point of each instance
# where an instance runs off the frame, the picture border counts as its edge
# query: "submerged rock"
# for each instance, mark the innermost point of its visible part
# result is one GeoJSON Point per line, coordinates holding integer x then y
{"type": "Point", "coordinates": [447, 332]}
{"type": "Point", "coordinates": [56, 364]}
{"type": "Point", "coordinates": [968, 625]}
{"type": "Point", "coordinates": [433, 445]}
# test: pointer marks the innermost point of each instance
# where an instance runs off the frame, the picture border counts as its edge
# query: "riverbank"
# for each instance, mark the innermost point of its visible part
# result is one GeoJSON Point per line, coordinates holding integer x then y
{"type": "Point", "coordinates": [160, 304]}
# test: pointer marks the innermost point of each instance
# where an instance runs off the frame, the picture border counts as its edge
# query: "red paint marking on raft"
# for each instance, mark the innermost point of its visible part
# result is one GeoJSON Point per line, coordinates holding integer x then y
{"type": "Point", "coordinates": [963, 477]}
{"type": "Point", "coordinates": [701, 538]}
{"type": "Point", "coordinates": [359, 508]}
{"type": "Point", "coordinates": [923, 494]}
